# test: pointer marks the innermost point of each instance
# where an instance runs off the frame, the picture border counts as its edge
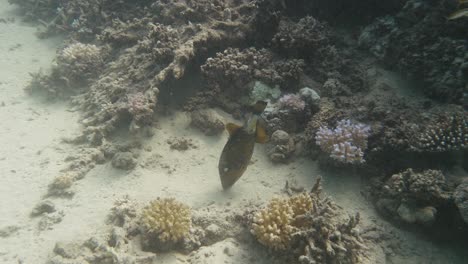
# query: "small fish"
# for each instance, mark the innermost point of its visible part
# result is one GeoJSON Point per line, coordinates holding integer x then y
{"type": "Point", "coordinates": [239, 148]}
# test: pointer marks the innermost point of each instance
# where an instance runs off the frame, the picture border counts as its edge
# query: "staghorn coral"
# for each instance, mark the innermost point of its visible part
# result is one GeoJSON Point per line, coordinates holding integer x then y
{"type": "Point", "coordinates": [168, 219]}
{"type": "Point", "coordinates": [346, 143]}
{"type": "Point", "coordinates": [309, 228]}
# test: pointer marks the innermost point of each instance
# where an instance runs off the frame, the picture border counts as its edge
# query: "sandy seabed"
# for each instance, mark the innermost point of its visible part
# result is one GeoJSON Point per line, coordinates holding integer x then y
{"type": "Point", "coordinates": [32, 155]}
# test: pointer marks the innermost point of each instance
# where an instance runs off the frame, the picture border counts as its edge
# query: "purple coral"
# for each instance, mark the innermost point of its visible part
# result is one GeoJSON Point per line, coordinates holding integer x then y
{"type": "Point", "coordinates": [345, 143]}
{"type": "Point", "coordinates": [291, 102]}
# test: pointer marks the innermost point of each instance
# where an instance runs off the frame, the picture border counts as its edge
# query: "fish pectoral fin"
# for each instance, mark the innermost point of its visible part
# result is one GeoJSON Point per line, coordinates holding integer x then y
{"type": "Point", "coordinates": [232, 128]}
{"type": "Point", "coordinates": [261, 134]}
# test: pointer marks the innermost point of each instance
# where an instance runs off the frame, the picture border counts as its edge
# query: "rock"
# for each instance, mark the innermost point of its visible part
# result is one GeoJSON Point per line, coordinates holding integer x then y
{"type": "Point", "coordinates": [45, 206]}
{"type": "Point", "coordinates": [48, 220]}
{"type": "Point", "coordinates": [461, 199]}
{"type": "Point", "coordinates": [69, 250]}
{"type": "Point", "coordinates": [282, 146]}
{"type": "Point", "coordinates": [124, 161]}
{"type": "Point", "coordinates": [310, 96]}
{"type": "Point", "coordinates": [207, 121]}
{"type": "Point", "coordinates": [423, 215]}
{"type": "Point", "coordinates": [181, 143]}
{"type": "Point", "coordinates": [261, 91]}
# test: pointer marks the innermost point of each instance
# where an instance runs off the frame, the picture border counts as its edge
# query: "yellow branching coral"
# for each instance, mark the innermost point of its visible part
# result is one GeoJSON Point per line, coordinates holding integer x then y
{"type": "Point", "coordinates": [274, 226]}
{"type": "Point", "coordinates": [169, 219]}
{"type": "Point", "coordinates": [300, 204]}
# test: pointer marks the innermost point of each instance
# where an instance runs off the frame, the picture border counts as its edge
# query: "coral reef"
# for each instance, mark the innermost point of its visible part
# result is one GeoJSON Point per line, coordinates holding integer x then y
{"type": "Point", "coordinates": [263, 92]}
{"type": "Point", "coordinates": [311, 40]}
{"type": "Point", "coordinates": [166, 221]}
{"type": "Point", "coordinates": [230, 72]}
{"type": "Point", "coordinates": [461, 199]}
{"type": "Point", "coordinates": [281, 146]}
{"type": "Point", "coordinates": [413, 197]}
{"type": "Point", "coordinates": [309, 227]}
{"type": "Point", "coordinates": [444, 134]}
{"type": "Point", "coordinates": [420, 42]}
{"type": "Point", "coordinates": [76, 66]}
{"type": "Point", "coordinates": [346, 143]}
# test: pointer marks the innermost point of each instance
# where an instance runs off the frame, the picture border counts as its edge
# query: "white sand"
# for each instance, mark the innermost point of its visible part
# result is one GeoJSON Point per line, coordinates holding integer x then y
{"type": "Point", "coordinates": [31, 155]}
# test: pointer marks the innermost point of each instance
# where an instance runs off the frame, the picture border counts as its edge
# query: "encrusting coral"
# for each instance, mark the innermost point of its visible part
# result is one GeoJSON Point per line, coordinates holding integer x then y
{"type": "Point", "coordinates": [168, 219]}
{"type": "Point", "coordinates": [309, 228]}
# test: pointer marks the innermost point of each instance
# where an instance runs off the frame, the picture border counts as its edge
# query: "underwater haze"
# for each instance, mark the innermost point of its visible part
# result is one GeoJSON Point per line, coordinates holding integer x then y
{"type": "Point", "coordinates": [233, 131]}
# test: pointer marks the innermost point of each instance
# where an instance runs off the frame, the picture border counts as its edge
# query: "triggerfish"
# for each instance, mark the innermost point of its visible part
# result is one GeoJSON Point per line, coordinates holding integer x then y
{"type": "Point", "coordinates": [239, 148]}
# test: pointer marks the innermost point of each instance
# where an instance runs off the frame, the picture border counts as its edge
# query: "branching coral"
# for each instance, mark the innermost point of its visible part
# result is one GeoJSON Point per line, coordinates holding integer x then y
{"type": "Point", "coordinates": [312, 224]}
{"type": "Point", "coordinates": [167, 218]}
{"type": "Point", "coordinates": [346, 143]}
{"type": "Point", "coordinates": [445, 134]}
{"type": "Point", "coordinates": [291, 102]}
{"type": "Point", "coordinates": [272, 226]}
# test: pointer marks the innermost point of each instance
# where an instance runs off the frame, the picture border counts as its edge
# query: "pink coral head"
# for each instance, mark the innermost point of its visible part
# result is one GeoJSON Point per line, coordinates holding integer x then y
{"type": "Point", "coordinates": [291, 102]}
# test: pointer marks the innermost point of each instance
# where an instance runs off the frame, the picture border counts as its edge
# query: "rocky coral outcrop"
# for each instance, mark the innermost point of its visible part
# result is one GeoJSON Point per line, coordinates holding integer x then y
{"type": "Point", "coordinates": [281, 147]}
{"type": "Point", "coordinates": [461, 199]}
{"type": "Point", "coordinates": [207, 121]}
{"type": "Point", "coordinates": [413, 197]}
{"type": "Point", "coordinates": [231, 71]}
{"type": "Point", "coordinates": [420, 42]}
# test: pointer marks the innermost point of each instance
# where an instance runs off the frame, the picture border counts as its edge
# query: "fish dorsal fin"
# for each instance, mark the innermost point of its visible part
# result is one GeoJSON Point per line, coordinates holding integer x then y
{"type": "Point", "coordinates": [232, 128]}
{"type": "Point", "coordinates": [261, 134]}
